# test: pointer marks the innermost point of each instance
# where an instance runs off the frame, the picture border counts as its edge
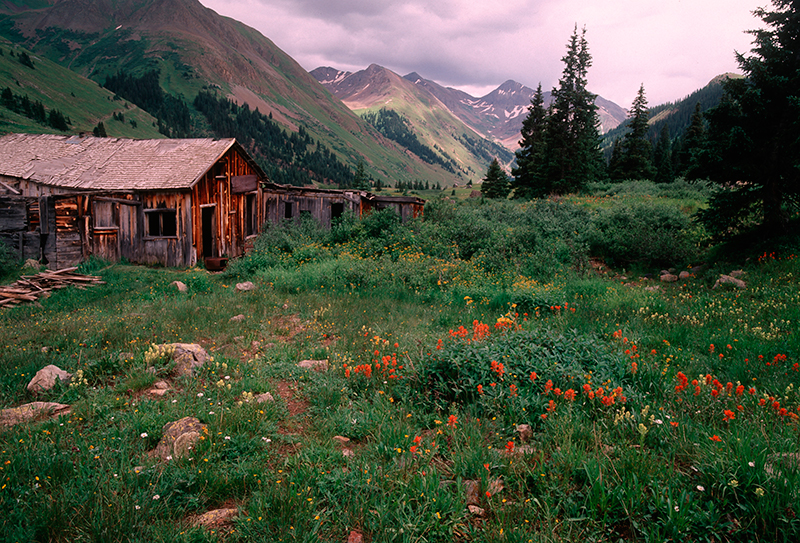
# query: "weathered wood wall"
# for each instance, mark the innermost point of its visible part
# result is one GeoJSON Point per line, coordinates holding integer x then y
{"type": "Point", "coordinates": [283, 204]}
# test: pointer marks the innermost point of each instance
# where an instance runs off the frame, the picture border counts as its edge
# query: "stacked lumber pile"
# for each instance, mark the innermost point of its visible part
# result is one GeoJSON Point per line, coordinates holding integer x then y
{"type": "Point", "coordinates": [29, 288]}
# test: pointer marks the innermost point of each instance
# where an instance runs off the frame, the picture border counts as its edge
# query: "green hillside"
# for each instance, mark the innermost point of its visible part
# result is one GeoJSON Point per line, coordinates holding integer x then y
{"type": "Point", "coordinates": [80, 100]}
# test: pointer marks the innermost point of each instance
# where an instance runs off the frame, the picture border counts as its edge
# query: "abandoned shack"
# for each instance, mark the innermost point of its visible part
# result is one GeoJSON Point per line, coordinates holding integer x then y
{"type": "Point", "coordinates": [282, 202]}
{"type": "Point", "coordinates": [166, 201]}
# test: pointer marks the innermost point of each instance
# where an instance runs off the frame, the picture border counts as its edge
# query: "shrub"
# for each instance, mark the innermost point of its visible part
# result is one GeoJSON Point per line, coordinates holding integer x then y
{"type": "Point", "coordinates": [646, 233]}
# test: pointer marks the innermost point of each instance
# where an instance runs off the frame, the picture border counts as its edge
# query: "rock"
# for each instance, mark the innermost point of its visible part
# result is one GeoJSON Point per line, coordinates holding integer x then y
{"type": "Point", "coordinates": [652, 289]}
{"type": "Point", "coordinates": [472, 489]}
{"type": "Point", "coordinates": [663, 272]}
{"type": "Point", "coordinates": [218, 518]}
{"type": "Point", "coordinates": [184, 443]}
{"type": "Point", "coordinates": [684, 275]}
{"type": "Point", "coordinates": [33, 264]}
{"type": "Point", "coordinates": [316, 365]}
{"type": "Point", "coordinates": [161, 385]}
{"type": "Point", "coordinates": [263, 398]}
{"type": "Point", "coordinates": [246, 286]}
{"type": "Point", "coordinates": [237, 318]}
{"type": "Point", "coordinates": [524, 449]}
{"type": "Point", "coordinates": [495, 486]}
{"type": "Point", "coordinates": [728, 280]}
{"type": "Point", "coordinates": [188, 356]}
{"type": "Point", "coordinates": [178, 437]}
{"type": "Point", "coordinates": [45, 378]}
{"type": "Point", "coordinates": [477, 511]}
{"type": "Point", "coordinates": [669, 278]}
{"type": "Point", "coordinates": [355, 537]}
{"type": "Point", "coordinates": [348, 453]}
{"type": "Point", "coordinates": [255, 345]}
{"type": "Point", "coordinates": [737, 273]}
{"type": "Point", "coordinates": [180, 285]}
{"type": "Point", "coordinates": [525, 432]}
{"type": "Point", "coordinates": [341, 440]}
{"type": "Point", "coordinates": [31, 411]}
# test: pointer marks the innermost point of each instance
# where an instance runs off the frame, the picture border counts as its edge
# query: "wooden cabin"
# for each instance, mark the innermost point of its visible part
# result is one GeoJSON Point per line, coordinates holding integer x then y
{"type": "Point", "coordinates": [167, 201]}
{"type": "Point", "coordinates": [284, 202]}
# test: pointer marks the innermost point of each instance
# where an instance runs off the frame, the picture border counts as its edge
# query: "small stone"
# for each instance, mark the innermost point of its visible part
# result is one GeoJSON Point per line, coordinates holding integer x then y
{"type": "Point", "coordinates": [237, 318]}
{"type": "Point", "coordinates": [495, 486]}
{"type": "Point", "coordinates": [217, 518]}
{"type": "Point", "coordinates": [525, 432]}
{"type": "Point", "coordinates": [161, 385]}
{"type": "Point", "coordinates": [355, 537]}
{"type": "Point", "coordinates": [472, 490]}
{"type": "Point", "coordinates": [33, 264]}
{"type": "Point", "coordinates": [669, 278]}
{"type": "Point", "coordinates": [728, 280]}
{"type": "Point", "coordinates": [263, 398]}
{"type": "Point", "coordinates": [477, 511]}
{"type": "Point", "coordinates": [316, 365]}
{"type": "Point", "coordinates": [255, 345]}
{"type": "Point", "coordinates": [737, 273]}
{"type": "Point", "coordinates": [341, 440]}
{"type": "Point", "coordinates": [246, 286]}
{"type": "Point", "coordinates": [188, 356]}
{"type": "Point", "coordinates": [178, 437]}
{"type": "Point", "coordinates": [652, 289]}
{"type": "Point", "coordinates": [664, 272]}
{"type": "Point", "coordinates": [157, 392]}
{"type": "Point", "coordinates": [45, 378]}
{"type": "Point", "coordinates": [180, 285]}
{"type": "Point", "coordinates": [524, 449]}
{"type": "Point", "coordinates": [348, 453]}
{"type": "Point", "coordinates": [31, 411]}
{"type": "Point", "coordinates": [684, 275]}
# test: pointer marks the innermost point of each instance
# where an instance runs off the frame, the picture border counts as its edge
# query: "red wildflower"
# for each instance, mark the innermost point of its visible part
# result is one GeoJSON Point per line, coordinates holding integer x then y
{"type": "Point", "coordinates": [480, 389]}
{"type": "Point", "coordinates": [451, 421]}
{"type": "Point", "coordinates": [533, 376]}
{"type": "Point", "coordinates": [728, 415]}
{"type": "Point", "coordinates": [510, 446]}
{"type": "Point", "coordinates": [716, 438]}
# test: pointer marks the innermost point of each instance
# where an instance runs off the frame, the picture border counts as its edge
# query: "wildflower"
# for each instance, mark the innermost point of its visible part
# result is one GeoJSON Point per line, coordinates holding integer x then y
{"type": "Point", "coordinates": [716, 438]}
{"type": "Point", "coordinates": [533, 376]}
{"type": "Point", "coordinates": [451, 421]}
{"type": "Point", "coordinates": [513, 390]}
{"type": "Point", "coordinates": [751, 464]}
{"type": "Point", "coordinates": [759, 492]}
{"type": "Point", "coordinates": [480, 389]}
{"type": "Point", "coordinates": [701, 488]}
{"type": "Point", "coordinates": [728, 415]}
{"type": "Point", "coordinates": [733, 483]}
{"type": "Point", "coordinates": [569, 394]}
{"type": "Point", "coordinates": [486, 466]}
{"type": "Point", "coordinates": [634, 367]}
{"type": "Point", "coordinates": [673, 424]}
{"type": "Point", "coordinates": [143, 435]}
{"type": "Point", "coordinates": [510, 447]}
{"type": "Point", "coordinates": [156, 497]}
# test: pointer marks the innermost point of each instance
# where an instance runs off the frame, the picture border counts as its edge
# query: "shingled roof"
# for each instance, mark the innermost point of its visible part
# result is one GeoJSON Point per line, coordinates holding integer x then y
{"type": "Point", "coordinates": [90, 163]}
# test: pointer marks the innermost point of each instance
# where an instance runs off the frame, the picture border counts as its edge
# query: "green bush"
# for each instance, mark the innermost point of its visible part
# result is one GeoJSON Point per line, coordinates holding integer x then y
{"type": "Point", "coordinates": [645, 234]}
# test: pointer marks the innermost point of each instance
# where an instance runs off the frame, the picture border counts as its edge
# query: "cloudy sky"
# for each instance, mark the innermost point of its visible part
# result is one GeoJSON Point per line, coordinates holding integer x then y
{"type": "Point", "coordinates": [673, 47]}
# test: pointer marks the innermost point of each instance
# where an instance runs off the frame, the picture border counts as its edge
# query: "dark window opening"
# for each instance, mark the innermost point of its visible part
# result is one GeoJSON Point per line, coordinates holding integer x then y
{"type": "Point", "coordinates": [287, 210]}
{"type": "Point", "coordinates": [161, 223]}
{"type": "Point", "coordinates": [337, 210]}
{"type": "Point", "coordinates": [250, 215]}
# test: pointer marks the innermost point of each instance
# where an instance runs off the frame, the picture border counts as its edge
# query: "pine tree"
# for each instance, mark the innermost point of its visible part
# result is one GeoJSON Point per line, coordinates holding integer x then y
{"type": "Point", "coordinates": [662, 157]}
{"type": "Point", "coordinates": [360, 179]}
{"type": "Point", "coordinates": [495, 184]}
{"type": "Point", "coordinates": [694, 139]}
{"type": "Point", "coordinates": [635, 149]}
{"type": "Point", "coordinates": [573, 140]}
{"type": "Point", "coordinates": [528, 182]}
{"type": "Point", "coordinates": [753, 141]}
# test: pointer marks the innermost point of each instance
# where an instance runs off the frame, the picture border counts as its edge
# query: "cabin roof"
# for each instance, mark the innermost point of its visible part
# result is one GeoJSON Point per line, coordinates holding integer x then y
{"type": "Point", "coordinates": [90, 163]}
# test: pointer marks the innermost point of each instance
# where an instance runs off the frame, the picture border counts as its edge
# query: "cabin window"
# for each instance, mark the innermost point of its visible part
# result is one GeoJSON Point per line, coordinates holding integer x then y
{"type": "Point", "coordinates": [287, 210]}
{"type": "Point", "coordinates": [337, 210]}
{"type": "Point", "coordinates": [161, 223]}
{"type": "Point", "coordinates": [105, 214]}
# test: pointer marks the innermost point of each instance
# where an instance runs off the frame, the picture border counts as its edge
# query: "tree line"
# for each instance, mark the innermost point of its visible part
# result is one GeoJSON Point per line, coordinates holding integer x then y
{"type": "Point", "coordinates": [748, 144]}
{"type": "Point", "coordinates": [34, 109]}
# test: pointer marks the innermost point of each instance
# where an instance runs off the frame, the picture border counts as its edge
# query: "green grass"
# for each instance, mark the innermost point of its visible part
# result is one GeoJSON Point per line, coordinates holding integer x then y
{"type": "Point", "coordinates": [653, 456]}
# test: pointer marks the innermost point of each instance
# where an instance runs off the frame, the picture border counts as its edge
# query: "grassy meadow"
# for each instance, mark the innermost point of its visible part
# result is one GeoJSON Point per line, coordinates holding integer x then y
{"type": "Point", "coordinates": [657, 411]}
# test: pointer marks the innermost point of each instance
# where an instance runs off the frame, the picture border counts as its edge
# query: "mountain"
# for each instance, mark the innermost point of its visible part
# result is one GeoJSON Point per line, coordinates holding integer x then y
{"type": "Point", "coordinates": [427, 117]}
{"type": "Point", "coordinates": [193, 48]}
{"type": "Point", "coordinates": [676, 115]}
{"type": "Point", "coordinates": [79, 100]}
{"type": "Point", "coordinates": [500, 113]}
{"type": "Point", "coordinates": [497, 116]}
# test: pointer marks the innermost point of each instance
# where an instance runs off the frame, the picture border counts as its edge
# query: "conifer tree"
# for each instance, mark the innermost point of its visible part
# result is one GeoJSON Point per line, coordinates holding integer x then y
{"type": "Point", "coordinates": [495, 184]}
{"type": "Point", "coordinates": [635, 149]}
{"type": "Point", "coordinates": [753, 141]}
{"type": "Point", "coordinates": [662, 157]}
{"type": "Point", "coordinates": [573, 140]}
{"type": "Point", "coordinates": [694, 138]}
{"type": "Point", "coordinates": [528, 174]}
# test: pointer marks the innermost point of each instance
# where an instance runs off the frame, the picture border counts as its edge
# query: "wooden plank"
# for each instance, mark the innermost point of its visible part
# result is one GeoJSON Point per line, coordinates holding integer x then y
{"type": "Point", "coordinates": [244, 183]}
